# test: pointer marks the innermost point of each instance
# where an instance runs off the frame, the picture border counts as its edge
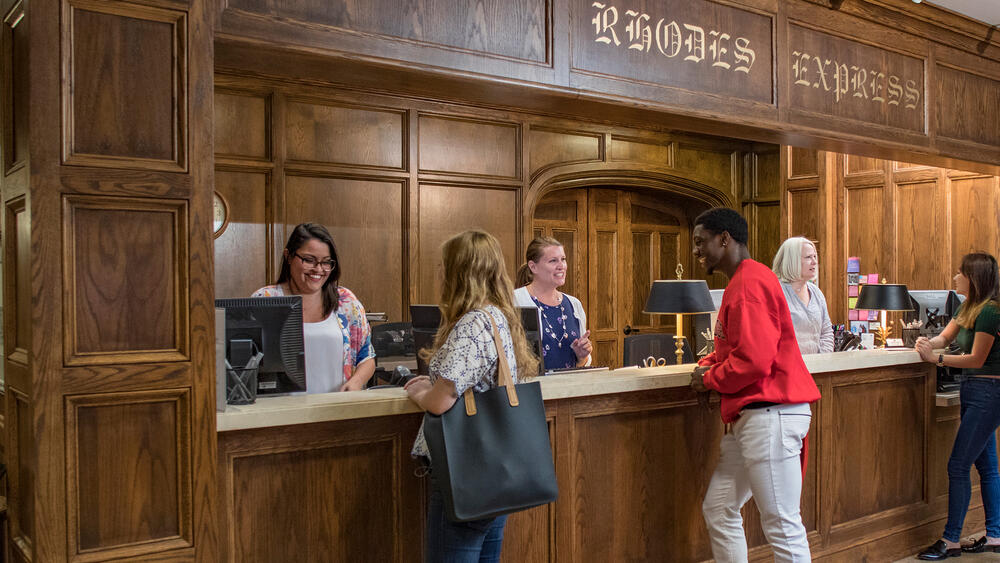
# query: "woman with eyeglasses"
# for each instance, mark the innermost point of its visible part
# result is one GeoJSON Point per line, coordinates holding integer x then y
{"type": "Point", "coordinates": [338, 346]}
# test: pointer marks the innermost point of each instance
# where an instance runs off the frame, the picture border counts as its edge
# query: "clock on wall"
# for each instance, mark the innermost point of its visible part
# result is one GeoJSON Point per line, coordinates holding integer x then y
{"type": "Point", "coordinates": [220, 214]}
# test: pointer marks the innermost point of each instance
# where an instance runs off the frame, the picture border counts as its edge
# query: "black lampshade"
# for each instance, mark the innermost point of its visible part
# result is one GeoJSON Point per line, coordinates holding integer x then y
{"type": "Point", "coordinates": [884, 297]}
{"type": "Point", "coordinates": [679, 296]}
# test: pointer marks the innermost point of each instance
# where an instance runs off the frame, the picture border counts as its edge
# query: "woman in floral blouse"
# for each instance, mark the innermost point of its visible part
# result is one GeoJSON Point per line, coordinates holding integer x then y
{"type": "Point", "coordinates": [338, 347]}
{"type": "Point", "coordinates": [475, 290]}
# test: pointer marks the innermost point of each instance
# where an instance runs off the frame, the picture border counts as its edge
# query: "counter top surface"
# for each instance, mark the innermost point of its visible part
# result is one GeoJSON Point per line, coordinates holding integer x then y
{"type": "Point", "coordinates": [304, 409]}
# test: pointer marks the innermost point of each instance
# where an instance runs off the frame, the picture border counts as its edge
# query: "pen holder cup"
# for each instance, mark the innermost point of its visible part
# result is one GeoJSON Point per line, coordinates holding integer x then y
{"type": "Point", "coordinates": [241, 385]}
{"type": "Point", "coordinates": [910, 336]}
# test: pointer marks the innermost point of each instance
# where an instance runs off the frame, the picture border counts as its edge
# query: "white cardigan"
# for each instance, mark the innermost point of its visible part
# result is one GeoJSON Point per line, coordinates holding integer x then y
{"type": "Point", "coordinates": [523, 299]}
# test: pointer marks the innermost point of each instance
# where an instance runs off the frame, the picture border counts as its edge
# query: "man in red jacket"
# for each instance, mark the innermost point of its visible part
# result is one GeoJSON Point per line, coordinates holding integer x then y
{"type": "Point", "coordinates": [766, 390]}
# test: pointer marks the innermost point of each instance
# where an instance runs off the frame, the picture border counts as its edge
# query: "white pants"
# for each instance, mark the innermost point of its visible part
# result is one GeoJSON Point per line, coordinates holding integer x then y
{"type": "Point", "coordinates": [760, 457]}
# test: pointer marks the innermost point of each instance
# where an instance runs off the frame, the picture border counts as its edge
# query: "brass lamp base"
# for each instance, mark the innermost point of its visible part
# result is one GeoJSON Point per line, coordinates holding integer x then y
{"type": "Point", "coordinates": [679, 342]}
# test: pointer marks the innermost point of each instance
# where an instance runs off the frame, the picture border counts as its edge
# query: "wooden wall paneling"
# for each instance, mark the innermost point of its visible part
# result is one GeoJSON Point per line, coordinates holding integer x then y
{"type": "Point", "coordinates": [712, 166]}
{"type": "Point", "coordinates": [659, 236]}
{"type": "Point", "coordinates": [602, 73]}
{"type": "Point", "coordinates": [413, 264]}
{"type": "Point", "coordinates": [921, 235]}
{"type": "Point", "coordinates": [618, 448]}
{"type": "Point", "coordinates": [242, 123]}
{"type": "Point", "coordinates": [548, 147]}
{"type": "Point", "coordinates": [21, 473]}
{"type": "Point", "coordinates": [604, 280]}
{"type": "Point", "coordinates": [767, 172]}
{"type": "Point", "coordinates": [280, 478]}
{"type": "Point", "coordinates": [322, 517]}
{"type": "Point", "coordinates": [204, 511]}
{"type": "Point", "coordinates": [17, 281]}
{"type": "Point", "coordinates": [365, 217]}
{"type": "Point", "coordinates": [803, 213]}
{"type": "Point", "coordinates": [139, 438]}
{"type": "Point", "coordinates": [967, 107]}
{"type": "Point", "coordinates": [802, 163]}
{"type": "Point", "coordinates": [865, 231]}
{"type": "Point", "coordinates": [14, 85]}
{"type": "Point", "coordinates": [659, 153]}
{"type": "Point", "coordinates": [518, 31]}
{"type": "Point", "coordinates": [858, 165]}
{"type": "Point", "coordinates": [563, 215]}
{"type": "Point", "coordinates": [241, 251]}
{"type": "Point", "coordinates": [765, 228]}
{"type": "Point", "coordinates": [854, 496]}
{"type": "Point", "coordinates": [126, 299]}
{"type": "Point", "coordinates": [468, 147]}
{"type": "Point", "coordinates": [325, 132]}
{"type": "Point", "coordinates": [974, 212]}
{"type": "Point", "coordinates": [151, 88]}
{"type": "Point", "coordinates": [445, 210]}
{"type": "Point", "coordinates": [530, 535]}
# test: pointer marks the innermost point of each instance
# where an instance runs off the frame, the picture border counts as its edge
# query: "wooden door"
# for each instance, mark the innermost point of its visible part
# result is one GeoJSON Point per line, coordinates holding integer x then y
{"type": "Point", "coordinates": [617, 242]}
{"type": "Point", "coordinates": [658, 243]}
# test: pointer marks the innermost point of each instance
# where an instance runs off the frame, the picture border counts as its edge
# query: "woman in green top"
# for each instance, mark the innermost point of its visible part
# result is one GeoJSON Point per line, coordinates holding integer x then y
{"type": "Point", "coordinates": [974, 329]}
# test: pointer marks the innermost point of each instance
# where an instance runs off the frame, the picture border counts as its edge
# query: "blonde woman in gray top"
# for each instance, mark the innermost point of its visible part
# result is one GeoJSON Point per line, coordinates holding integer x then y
{"type": "Point", "coordinates": [797, 265]}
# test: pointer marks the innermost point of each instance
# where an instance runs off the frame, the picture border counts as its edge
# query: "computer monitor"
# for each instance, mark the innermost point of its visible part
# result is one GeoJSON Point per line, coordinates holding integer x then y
{"type": "Point", "coordinates": [426, 320]}
{"type": "Point", "coordinates": [274, 325]}
{"type": "Point", "coordinates": [940, 303]}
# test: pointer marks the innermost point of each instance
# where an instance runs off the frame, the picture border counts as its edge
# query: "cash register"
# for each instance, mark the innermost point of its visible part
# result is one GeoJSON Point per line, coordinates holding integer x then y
{"type": "Point", "coordinates": [934, 308]}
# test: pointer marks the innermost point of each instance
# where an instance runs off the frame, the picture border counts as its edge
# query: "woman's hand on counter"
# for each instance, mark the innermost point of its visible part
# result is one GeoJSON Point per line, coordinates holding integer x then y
{"type": "Point", "coordinates": [923, 347]}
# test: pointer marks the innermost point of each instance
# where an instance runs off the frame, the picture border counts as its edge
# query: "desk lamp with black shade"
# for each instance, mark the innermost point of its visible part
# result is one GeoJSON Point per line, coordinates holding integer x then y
{"type": "Point", "coordinates": [884, 297]}
{"type": "Point", "coordinates": [679, 297]}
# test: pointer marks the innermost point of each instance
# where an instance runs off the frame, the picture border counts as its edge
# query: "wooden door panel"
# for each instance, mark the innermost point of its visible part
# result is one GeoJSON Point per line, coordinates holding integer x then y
{"type": "Point", "coordinates": [616, 248]}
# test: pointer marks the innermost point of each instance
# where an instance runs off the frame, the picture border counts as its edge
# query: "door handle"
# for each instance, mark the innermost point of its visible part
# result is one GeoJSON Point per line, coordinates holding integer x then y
{"type": "Point", "coordinates": [629, 330]}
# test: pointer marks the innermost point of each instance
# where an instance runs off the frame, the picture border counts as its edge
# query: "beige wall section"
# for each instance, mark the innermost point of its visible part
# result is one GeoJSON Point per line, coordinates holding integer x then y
{"type": "Point", "coordinates": [392, 177]}
{"type": "Point", "coordinates": [909, 223]}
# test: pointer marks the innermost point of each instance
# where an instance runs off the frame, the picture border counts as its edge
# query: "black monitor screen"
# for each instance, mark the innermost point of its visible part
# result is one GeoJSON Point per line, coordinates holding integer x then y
{"type": "Point", "coordinates": [427, 318]}
{"type": "Point", "coordinates": [936, 306]}
{"type": "Point", "coordinates": [274, 325]}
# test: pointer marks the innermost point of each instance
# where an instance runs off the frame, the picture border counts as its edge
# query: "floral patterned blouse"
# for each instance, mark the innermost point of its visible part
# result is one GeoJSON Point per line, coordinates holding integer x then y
{"type": "Point", "coordinates": [353, 323]}
{"type": "Point", "coordinates": [469, 358]}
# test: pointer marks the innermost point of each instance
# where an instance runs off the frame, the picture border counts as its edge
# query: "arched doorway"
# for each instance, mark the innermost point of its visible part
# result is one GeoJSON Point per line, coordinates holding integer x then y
{"type": "Point", "coordinates": [618, 239]}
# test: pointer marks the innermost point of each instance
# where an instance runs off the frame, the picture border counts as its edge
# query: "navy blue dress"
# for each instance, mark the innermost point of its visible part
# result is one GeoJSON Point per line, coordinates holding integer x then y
{"type": "Point", "coordinates": [559, 329]}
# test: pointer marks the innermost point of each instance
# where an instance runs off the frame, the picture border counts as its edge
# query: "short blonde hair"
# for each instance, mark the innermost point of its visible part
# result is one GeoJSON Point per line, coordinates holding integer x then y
{"type": "Point", "coordinates": [788, 260]}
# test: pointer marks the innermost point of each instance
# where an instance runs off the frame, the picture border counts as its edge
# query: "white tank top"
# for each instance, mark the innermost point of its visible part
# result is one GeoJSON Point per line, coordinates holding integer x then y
{"type": "Point", "coordinates": [324, 343]}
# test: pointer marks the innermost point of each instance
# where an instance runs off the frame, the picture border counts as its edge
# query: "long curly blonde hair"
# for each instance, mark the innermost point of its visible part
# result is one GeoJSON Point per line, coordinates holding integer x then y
{"type": "Point", "coordinates": [475, 276]}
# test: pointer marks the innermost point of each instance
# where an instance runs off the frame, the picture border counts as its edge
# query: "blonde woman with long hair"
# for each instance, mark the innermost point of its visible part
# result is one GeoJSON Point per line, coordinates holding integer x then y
{"type": "Point", "coordinates": [974, 329]}
{"type": "Point", "coordinates": [475, 289]}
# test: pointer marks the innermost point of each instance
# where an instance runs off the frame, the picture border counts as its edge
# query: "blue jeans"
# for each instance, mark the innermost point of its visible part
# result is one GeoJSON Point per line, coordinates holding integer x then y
{"type": "Point", "coordinates": [478, 541]}
{"type": "Point", "coordinates": [975, 443]}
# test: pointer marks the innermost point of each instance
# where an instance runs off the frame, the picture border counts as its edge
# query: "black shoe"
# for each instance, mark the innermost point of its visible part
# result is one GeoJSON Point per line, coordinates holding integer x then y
{"type": "Point", "coordinates": [979, 546]}
{"type": "Point", "coordinates": [939, 551]}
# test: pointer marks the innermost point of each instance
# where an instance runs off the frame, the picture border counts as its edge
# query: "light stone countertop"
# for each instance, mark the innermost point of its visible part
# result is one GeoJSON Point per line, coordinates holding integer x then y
{"type": "Point", "coordinates": [304, 409]}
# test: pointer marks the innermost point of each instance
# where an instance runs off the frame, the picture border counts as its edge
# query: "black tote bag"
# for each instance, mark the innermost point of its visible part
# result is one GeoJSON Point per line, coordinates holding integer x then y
{"type": "Point", "coordinates": [490, 454]}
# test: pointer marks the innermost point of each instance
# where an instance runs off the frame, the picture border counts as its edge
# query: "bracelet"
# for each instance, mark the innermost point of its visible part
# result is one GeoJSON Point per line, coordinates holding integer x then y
{"type": "Point", "coordinates": [940, 361]}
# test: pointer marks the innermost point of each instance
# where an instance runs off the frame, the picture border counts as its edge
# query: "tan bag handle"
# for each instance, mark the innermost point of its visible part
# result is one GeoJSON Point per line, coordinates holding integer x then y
{"type": "Point", "coordinates": [503, 373]}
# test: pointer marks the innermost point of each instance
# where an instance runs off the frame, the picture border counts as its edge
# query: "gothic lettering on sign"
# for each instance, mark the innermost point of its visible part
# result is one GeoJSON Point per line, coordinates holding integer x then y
{"type": "Point", "coordinates": [842, 80]}
{"type": "Point", "coordinates": [698, 45]}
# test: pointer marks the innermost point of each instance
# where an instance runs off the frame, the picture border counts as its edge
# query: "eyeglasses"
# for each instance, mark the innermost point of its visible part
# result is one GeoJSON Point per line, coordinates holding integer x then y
{"type": "Point", "coordinates": [312, 262]}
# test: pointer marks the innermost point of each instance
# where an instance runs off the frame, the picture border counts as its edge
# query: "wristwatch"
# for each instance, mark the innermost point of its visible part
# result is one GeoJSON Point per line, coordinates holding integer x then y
{"type": "Point", "coordinates": [940, 360]}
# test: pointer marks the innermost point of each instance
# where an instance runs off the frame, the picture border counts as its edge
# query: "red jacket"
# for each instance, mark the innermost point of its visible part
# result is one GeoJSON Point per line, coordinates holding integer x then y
{"type": "Point", "coordinates": [756, 355]}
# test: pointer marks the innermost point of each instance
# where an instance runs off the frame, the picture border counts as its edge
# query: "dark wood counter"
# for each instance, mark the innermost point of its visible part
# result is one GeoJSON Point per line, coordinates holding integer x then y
{"type": "Point", "coordinates": [633, 466]}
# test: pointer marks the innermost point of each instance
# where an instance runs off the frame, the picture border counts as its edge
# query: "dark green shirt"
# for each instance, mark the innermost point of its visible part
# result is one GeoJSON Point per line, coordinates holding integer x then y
{"type": "Point", "coordinates": [988, 321]}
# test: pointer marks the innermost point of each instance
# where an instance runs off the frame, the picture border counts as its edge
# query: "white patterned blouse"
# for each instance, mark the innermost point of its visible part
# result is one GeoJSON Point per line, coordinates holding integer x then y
{"type": "Point", "coordinates": [469, 359]}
